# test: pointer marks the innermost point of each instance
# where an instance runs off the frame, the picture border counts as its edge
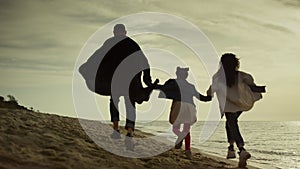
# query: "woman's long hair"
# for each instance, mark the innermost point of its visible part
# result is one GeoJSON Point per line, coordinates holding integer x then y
{"type": "Point", "coordinates": [230, 65]}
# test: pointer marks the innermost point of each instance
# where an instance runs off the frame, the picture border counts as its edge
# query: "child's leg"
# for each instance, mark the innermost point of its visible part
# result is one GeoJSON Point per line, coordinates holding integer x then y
{"type": "Point", "coordinates": [187, 142]}
{"type": "Point", "coordinates": [186, 129]}
{"type": "Point", "coordinates": [176, 129]}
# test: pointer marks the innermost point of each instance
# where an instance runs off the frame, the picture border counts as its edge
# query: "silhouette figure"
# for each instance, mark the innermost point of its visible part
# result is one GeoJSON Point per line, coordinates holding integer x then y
{"type": "Point", "coordinates": [236, 92]}
{"type": "Point", "coordinates": [115, 70]}
{"type": "Point", "coordinates": [183, 109]}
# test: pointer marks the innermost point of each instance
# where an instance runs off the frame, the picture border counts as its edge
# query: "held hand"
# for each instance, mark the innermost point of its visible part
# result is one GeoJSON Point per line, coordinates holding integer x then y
{"type": "Point", "coordinates": [208, 98]}
{"type": "Point", "coordinates": [205, 98]}
{"type": "Point", "coordinates": [155, 84]}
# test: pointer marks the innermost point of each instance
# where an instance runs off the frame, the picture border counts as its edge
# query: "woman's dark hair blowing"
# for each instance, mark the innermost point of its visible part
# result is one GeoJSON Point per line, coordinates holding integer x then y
{"type": "Point", "coordinates": [230, 65]}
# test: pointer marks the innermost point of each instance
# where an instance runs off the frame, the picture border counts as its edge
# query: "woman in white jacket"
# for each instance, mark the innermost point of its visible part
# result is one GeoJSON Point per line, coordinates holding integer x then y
{"type": "Point", "coordinates": [236, 92]}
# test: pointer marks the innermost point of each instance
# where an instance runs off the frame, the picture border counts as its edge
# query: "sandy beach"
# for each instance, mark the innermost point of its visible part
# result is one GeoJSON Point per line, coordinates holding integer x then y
{"type": "Point", "coordinates": [37, 140]}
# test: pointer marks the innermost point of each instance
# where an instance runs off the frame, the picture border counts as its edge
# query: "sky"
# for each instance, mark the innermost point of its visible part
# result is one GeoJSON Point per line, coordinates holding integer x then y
{"type": "Point", "coordinates": [41, 41]}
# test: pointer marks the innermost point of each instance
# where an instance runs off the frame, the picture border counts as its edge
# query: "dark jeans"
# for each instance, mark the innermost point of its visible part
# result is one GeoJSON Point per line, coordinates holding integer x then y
{"type": "Point", "coordinates": [130, 111]}
{"type": "Point", "coordinates": [232, 128]}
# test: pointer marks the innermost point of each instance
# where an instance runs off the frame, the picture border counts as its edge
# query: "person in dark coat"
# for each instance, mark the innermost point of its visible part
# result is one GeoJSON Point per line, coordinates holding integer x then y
{"type": "Point", "coordinates": [116, 69]}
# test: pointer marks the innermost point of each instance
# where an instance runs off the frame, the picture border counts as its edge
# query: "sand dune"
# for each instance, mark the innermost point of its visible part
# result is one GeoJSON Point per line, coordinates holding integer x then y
{"type": "Point", "coordinates": [37, 140]}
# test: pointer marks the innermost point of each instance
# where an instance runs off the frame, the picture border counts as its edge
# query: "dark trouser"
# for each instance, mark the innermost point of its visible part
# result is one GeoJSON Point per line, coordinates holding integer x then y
{"type": "Point", "coordinates": [232, 128]}
{"type": "Point", "coordinates": [130, 111]}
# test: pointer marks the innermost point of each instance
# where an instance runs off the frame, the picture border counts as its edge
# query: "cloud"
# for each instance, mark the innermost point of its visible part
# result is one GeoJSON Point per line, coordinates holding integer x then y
{"type": "Point", "coordinates": [259, 24]}
{"type": "Point", "coordinates": [53, 32]}
{"type": "Point", "coordinates": [35, 33]}
{"type": "Point", "coordinates": [290, 3]}
{"type": "Point", "coordinates": [40, 40]}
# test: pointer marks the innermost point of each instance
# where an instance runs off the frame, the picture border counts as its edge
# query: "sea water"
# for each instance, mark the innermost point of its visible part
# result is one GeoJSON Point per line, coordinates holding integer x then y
{"type": "Point", "coordinates": [275, 144]}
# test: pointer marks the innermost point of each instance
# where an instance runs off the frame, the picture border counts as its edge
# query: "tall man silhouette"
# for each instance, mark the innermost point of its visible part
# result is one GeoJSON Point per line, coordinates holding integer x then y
{"type": "Point", "coordinates": [120, 65]}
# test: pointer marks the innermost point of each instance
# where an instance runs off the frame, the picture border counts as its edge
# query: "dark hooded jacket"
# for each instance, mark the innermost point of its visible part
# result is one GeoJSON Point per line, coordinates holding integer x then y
{"type": "Point", "coordinates": [116, 68]}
